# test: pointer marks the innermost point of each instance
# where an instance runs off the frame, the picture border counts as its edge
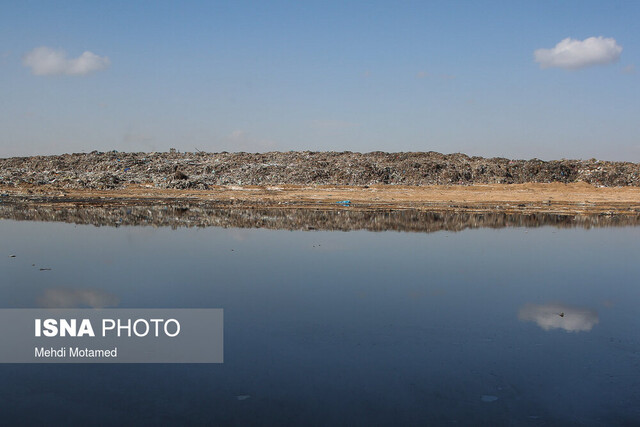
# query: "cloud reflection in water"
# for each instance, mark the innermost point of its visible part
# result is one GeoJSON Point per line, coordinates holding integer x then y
{"type": "Point", "coordinates": [559, 316]}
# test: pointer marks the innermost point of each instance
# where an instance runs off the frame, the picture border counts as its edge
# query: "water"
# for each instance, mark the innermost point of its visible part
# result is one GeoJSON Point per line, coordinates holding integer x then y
{"type": "Point", "coordinates": [506, 326]}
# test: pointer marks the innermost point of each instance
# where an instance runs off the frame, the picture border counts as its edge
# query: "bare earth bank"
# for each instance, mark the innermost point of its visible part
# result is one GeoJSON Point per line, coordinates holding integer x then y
{"type": "Point", "coordinates": [572, 198]}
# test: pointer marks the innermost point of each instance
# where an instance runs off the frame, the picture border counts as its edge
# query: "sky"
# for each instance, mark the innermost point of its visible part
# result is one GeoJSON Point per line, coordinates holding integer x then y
{"type": "Point", "coordinates": [534, 79]}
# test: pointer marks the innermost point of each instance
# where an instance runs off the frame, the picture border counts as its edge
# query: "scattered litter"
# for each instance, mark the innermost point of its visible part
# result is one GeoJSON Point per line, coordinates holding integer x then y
{"type": "Point", "coordinates": [489, 398]}
{"type": "Point", "coordinates": [344, 202]}
{"type": "Point", "coordinates": [243, 397]}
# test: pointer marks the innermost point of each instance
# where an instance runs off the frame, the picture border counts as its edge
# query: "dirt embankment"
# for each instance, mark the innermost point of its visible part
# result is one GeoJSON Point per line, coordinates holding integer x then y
{"type": "Point", "coordinates": [113, 170]}
{"type": "Point", "coordinates": [578, 198]}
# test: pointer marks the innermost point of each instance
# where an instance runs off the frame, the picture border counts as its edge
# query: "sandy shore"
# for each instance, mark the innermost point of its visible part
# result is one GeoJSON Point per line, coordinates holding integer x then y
{"type": "Point", "coordinates": [578, 198]}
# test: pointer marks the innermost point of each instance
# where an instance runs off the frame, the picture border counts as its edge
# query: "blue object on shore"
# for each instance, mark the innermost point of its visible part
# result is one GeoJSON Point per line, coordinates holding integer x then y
{"type": "Point", "coordinates": [344, 202]}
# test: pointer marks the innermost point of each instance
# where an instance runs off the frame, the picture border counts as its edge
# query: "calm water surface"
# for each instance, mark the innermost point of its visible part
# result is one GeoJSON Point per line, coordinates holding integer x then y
{"type": "Point", "coordinates": [512, 326]}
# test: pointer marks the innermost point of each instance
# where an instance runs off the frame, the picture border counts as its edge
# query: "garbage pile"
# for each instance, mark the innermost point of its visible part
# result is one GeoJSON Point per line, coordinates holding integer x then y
{"type": "Point", "coordinates": [99, 170]}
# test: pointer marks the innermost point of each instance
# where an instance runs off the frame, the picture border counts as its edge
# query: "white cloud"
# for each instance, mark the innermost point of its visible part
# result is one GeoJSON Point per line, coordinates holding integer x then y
{"type": "Point", "coordinates": [45, 61]}
{"type": "Point", "coordinates": [573, 54]}
{"type": "Point", "coordinates": [559, 316]}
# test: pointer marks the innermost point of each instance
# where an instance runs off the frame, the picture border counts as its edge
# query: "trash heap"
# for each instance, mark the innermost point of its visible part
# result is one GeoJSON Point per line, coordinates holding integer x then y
{"type": "Point", "coordinates": [110, 170]}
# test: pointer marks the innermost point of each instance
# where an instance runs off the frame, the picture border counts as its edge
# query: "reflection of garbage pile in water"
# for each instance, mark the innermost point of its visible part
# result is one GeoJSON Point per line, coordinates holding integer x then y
{"type": "Point", "coordinates": [559, 316]}
{"type": "Point", "coordinates": [201, 215]}
{"type": "Point", "coordinates": [109, 170]}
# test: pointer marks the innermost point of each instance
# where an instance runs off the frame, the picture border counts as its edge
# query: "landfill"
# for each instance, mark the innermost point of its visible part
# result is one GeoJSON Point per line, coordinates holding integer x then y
{"type": "Point", "coordinates": [199, 170]}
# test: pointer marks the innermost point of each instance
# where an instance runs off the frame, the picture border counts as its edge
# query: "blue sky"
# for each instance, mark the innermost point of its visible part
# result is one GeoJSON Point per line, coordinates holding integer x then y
{"type": "Point", "coordinates": [359, 76]}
